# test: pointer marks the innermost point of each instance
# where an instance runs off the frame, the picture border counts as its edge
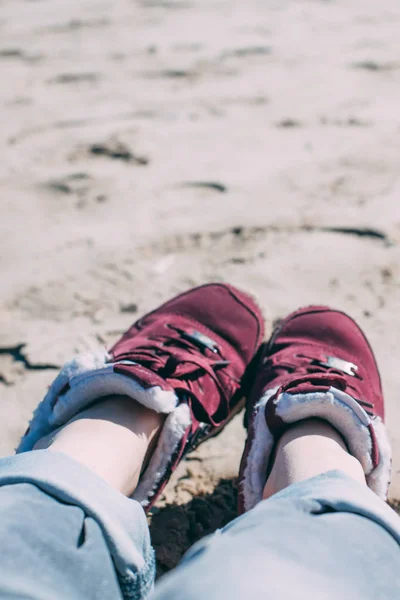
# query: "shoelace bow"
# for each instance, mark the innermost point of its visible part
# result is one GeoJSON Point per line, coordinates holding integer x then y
{"type": "Point", "coordinates": [311, 366]}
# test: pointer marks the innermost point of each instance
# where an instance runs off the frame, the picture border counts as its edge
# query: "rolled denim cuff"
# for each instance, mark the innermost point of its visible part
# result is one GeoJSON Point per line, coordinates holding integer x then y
{"type": "Point", "coordinates": [334, 491]}
{"type": "Point", "coordinates": [122, 520]}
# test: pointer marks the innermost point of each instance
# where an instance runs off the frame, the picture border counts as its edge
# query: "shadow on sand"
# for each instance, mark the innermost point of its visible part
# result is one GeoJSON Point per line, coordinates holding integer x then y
{"type": "Point", "coordinates": [175, 528]}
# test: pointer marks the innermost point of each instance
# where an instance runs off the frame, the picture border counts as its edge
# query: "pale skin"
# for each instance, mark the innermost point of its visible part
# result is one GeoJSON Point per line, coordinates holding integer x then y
{"type": "Point", "coordinates": [309, 448]}
{"type": "Point", "coordinates": [116, 436]}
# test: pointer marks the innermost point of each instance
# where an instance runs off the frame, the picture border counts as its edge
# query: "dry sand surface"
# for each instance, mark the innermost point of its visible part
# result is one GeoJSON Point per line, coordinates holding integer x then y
{"type": "Point", "coordinates": [148, 146]}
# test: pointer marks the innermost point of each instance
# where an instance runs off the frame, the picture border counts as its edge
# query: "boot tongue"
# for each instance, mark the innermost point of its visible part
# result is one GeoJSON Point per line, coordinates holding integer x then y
{"type": "Point", "coordinates": [306, 384]}
{"type": "Point", "coordinates": [313, 382]}
{"type": "Point", "coordinates": [172, 377]}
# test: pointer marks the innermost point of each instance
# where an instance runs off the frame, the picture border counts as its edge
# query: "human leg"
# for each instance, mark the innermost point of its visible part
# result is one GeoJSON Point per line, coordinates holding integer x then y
{"type": "Point", "coordinates": [112, 421]}
{"type": "Point", "coordinates": [307, 449]}
{"type": "Point", "coordinates": [185, 361]}
{"type": "Point", "coordinates": [328, 537]}
{"type": "Point", "coordinates": [68, 529]}
{"type": "Point", "coordinates": [67, 534]}
{"type": "Point", "coordinates": [321, 532]}
{"type": "Point", "coordinates": [114, 438]}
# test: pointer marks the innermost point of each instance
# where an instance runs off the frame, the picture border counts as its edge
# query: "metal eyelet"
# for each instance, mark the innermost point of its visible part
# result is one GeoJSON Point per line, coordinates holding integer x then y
{"type": "Point", "coordinates": [339, 364]}
{"type": "Point", "coordinates": [201, 340]}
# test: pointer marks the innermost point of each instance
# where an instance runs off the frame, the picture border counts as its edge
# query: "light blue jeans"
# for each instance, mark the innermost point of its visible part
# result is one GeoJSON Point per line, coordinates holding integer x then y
{"type": "Point", "coordinates": [66, 535]}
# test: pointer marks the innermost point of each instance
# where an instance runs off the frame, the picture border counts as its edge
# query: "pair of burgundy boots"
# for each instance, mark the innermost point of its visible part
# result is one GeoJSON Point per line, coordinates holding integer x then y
{"type": "Point", "coordinates": [199, 357]}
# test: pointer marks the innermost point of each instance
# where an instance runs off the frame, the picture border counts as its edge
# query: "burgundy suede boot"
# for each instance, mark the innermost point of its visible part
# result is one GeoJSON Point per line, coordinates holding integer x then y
{"type": "Point", "coordinates": [185, 359]}
{"type": "Point", "coordinates": [318, 364]}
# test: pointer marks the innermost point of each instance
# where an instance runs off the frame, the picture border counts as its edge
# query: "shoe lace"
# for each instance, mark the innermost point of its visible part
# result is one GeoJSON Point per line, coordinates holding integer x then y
{"type": "Point", "coordinates": [179, 355]}
{"type": "Point", "coordinates": [310, 365]}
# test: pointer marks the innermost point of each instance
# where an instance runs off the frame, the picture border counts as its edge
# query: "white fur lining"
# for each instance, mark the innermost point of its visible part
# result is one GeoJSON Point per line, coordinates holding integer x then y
{"type": "Point", "coordinates": [255, 472]}
{"type": "Point", "coordinates": [89, 376]}
{"type": "Point", "coordinates": [379, 479]}
{"type": "Point", "coordinates": [174, 428]}
{"type": "Point", "coordinates": [334, 406]}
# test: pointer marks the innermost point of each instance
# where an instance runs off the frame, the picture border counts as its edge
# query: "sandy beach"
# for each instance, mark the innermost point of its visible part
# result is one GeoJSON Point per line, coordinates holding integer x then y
{"type": "Point", "coordinates": [149, 146]}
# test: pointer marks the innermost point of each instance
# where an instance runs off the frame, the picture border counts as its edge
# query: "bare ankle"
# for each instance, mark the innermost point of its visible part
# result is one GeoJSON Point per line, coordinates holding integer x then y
{"type": "Point", "coordinates": [309, 448]}
{"type": "Point", "coordinates": [114, 438]}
